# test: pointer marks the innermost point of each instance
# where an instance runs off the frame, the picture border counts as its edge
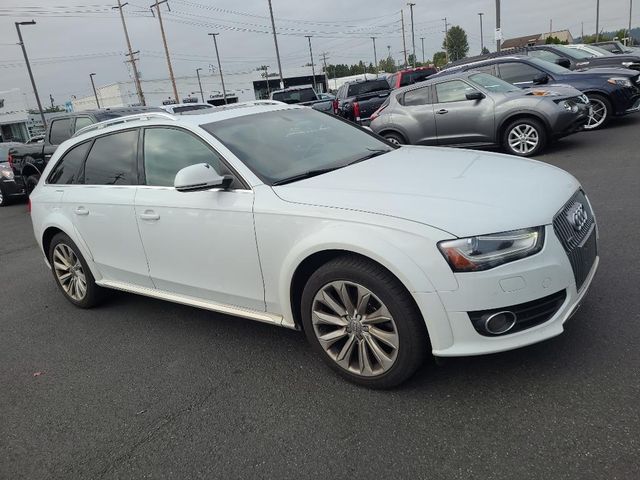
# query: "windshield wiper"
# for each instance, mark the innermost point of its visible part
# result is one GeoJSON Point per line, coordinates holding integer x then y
{"type": "Point", "coordinates": [320, 171]}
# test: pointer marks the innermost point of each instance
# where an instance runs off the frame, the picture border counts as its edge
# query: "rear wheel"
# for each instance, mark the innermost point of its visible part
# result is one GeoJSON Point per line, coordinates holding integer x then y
{"type": "Point", "coordinates": [72, 273]}
{"type": "Point", "coordinates": [4, 200]}
{"type": "Point", "coordinates": [363, 323]}
{"type": "Point", "coordinates": [395, 138]}
{"type": "Point", "coordinates": [524, 137]}
{"type": "Point", "coordinates": [31, 182]}
{"type": "Point", "coordinates": [600, 112]}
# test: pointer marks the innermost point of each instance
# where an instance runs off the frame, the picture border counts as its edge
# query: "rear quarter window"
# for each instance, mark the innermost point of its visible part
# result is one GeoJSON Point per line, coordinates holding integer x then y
{"type": "Point", "coordinates": [67, 170]}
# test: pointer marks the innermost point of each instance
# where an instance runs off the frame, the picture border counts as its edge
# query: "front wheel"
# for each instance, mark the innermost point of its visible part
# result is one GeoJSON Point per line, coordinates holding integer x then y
{"type": "Point", "coordinates": [31, 182]}
{"type": "Point", "coordinates": [524, 137]}
{"type": "Point", "coordinates": [600, 112]}
{"type": "Point", "coordinates": [395, 138]}
{"type": "Point", "coordinates": [363, 323]}
{"type": "Point", "coordinates": [4, 200]}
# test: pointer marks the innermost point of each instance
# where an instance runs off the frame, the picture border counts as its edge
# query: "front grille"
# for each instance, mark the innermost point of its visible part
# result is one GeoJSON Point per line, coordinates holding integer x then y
{"type": "Point", "coordinates": [528, 314]}
{"type": "Point", "coordinates": [575, 227]}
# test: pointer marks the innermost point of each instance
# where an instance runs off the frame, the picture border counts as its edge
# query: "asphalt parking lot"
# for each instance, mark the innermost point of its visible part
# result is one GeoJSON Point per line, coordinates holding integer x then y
{"type": "Point", "coordinates": [140, 388]}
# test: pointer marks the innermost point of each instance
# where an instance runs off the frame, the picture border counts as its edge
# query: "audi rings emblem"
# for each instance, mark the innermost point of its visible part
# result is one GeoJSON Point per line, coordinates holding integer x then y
{"type": "Point", "coordinates": [577, 216]}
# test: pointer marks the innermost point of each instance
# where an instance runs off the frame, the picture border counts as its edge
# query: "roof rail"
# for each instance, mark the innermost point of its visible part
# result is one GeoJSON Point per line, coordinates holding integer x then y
{"type": "Point", "coordinates": [125, 119]}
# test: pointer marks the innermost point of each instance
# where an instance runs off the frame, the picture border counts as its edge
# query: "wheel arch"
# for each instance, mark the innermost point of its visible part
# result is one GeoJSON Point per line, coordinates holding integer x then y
{"type": "Point", "coordinates": [394, 130]}
{"type": "Point", "coordinates": [519, 116]}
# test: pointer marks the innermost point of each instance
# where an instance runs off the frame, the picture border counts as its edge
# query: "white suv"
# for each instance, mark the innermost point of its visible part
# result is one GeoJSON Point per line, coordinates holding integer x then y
{"type": "Point", "coordinates": [288, 216]}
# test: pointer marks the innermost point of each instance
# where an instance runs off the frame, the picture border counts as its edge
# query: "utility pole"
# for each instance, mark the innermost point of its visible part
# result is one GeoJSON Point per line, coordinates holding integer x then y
{"type": "Point", "coordinates": [375, 55]}
{"type": "Point", "coordinates": [481, 34]}
{"type": "Point", "coordinates": [200, 84]}
{"type": "Point", "coordinates": [597, 20]}
{"type": "Point", "coordinates": [630, 41]}
{"type": "Point", "coordinates": [422, 39]}
{"type": "Point", "coordinates": [275, 41]}
{"type": "Point", "coordinates": [166, 48]}
{"type": "Point", "coordinates": [498, 31]}
{"type": "Point", "coordinates": [582, 33]}
{"type": "Point", "coordinates": [215, 44]}
{"type": "Point", "coordinates": [326, 72]}
{"type": "Point", "coordinates": [132, 59]}
{"type": "Point", "coordinates": [93, 85]}
{"type": "Point", "coordinates": [313, 70]}
{"type": "Point", "coordinates": [51, 100]}
{"type": "Point", "coordinates": [404, 43]}
{"type": "Point", "coordinates": [446, 39]}
{"type": "Point", "coordinates": [550, 26]}
{"type": "Point", "coordinates": [413, 38]}
{"type": "Point", "coordinates": [26, 60]}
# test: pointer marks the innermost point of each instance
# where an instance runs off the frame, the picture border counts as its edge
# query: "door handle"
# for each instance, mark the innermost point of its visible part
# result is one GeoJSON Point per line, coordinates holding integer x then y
{"type": "Point", "coordinates": [442, 111]}
{"type": "Point", "coordinates": [149, 215]}
{"type": "Point", "coordinates": [82, 211]}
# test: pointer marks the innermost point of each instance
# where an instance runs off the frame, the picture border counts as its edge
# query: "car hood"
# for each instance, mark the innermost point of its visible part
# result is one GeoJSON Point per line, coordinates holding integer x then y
{"type": "Point", "coordinates": [462, 192]}
{"type": "Point", "coordinates": [601, 73]}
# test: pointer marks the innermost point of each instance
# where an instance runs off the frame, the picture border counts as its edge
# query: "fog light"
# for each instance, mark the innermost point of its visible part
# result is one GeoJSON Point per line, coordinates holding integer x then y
{"type": "Point", "coordinates": [500, 322]}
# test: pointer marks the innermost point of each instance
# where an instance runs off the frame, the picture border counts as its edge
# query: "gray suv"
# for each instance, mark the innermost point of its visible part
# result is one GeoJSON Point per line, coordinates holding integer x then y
{"type": "Point", "coordinates": [473, 109]}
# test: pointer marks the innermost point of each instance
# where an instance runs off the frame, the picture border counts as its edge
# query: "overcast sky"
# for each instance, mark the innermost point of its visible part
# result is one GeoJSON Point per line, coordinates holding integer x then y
{"type": "Point", "coordinates": [73, 38]}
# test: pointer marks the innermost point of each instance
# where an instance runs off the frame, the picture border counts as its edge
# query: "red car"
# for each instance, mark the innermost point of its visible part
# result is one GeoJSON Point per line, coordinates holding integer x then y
{"type": "Point", "coordinates": [409, 76]}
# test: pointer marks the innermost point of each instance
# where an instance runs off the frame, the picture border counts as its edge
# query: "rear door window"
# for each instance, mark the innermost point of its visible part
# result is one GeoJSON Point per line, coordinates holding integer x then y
{"type": "Point", "coordinates": [516, 72]}
{"type": "Point", "coordinates": [453, 91]}
{"type": "Point", "coordinates": [113, 160]}
{"type": "Point", "coordinates": [419, 96]}
{"type": "Point", "coordinates": [60, 131]}
{"type": "Point", "coordinates": [67, 171]}
{"type": "Point", "coordinates": [82, 122]}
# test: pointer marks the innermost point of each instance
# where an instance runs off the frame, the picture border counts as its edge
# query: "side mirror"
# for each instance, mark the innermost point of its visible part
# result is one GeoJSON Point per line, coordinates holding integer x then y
{"type": "Point", "coordinates": [475, 95]}
{"type": "Point", "coordinates": [541, 79]}
{"type": "Point", "coordinates": [564, 62]}
{"type": "Point", "coordinates": [199, 177]}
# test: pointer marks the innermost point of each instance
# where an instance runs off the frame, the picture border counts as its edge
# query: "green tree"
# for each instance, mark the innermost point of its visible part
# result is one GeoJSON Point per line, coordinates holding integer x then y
{"type": "Point", "coordinates": [456, 43]}
{"type": "Point", "coordinates": [555, 41]}
{"type": "Point", "coordinates": [387, 65]}
{"type": "Point", "coordinates": [439, 59]}
{"type": "Point", "coordinates": [485, 51]}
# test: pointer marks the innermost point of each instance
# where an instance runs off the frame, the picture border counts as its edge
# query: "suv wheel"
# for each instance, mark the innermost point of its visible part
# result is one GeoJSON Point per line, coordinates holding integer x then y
{"type": "Point", "coordinates": [31, 182]}
{"type": "Point", "coordinates": [4, 200]}
{"type": "Point", "coordinates": [363, 323]}
{"type": "Point", "coordinates": [524, 137]}
{"type": "Point", "coordinates": [71, 272]}
{"type": "Point", "coordinates": [600, 112]}
{"type": "Point", "coordinates": [395, 138]}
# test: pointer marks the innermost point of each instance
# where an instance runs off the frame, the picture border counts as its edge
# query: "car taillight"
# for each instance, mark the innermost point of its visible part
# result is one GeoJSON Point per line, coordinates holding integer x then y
{"type": "Point", "coordinates": [335, 107]}
{"type": "Point", "coordinates": [10, 160]}
{"type": "Point", "coordinates": [356, 111]}
{"type": "Point", "coordinates": [29, 206]}
{"type": "Point", "coordinates": [377, 113]}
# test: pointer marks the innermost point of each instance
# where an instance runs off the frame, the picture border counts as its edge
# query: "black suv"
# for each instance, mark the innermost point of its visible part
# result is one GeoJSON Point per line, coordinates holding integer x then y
{"type": "Point", "coordinates": [612, 92]}
{"type": "Point", "coordinates": [574, 59]}
{"type": "Point", "coordinates": [28, 160]}
{"type": "Point", "coordinates": [357, 101]}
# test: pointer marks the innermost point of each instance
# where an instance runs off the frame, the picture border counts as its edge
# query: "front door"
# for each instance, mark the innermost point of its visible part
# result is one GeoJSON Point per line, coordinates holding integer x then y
{"type": "Point", "coordinates": [199, 244]}
{"type": "Point", "coordinates": [460, 120]}
{"type": "Point", "coordinates": [102, 208]}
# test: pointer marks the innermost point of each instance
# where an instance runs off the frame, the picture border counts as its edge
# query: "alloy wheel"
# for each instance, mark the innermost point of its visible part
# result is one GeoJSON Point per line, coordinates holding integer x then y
{"type": "Point", "coordinates": [393, 140]}
{"type": "Point", "coordinates": [1, 197]}
{"type": "Point", "coordinates": [69, 272]}
{"type": "Point", "coordinates": [523, 139]}
{"type": "Point", "coordinates": [598, 114]}
{"type": "Point", "coordinates": [355, 328]}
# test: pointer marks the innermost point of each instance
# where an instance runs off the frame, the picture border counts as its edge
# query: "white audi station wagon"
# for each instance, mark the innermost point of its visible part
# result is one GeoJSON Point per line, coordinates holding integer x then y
{"type": "Point", "coordinates": [285, 215]}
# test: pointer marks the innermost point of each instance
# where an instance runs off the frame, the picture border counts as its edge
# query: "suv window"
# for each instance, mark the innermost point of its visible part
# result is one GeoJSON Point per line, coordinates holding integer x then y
{"type": "Point", "coordinates": [544, 55]}
{"type": "Point", "coordinates": [68, 169]}
{"type": "Point", "coordinates": [514, 72]}
{"type": "Point", "coordinates": [60, 131]}
{"type": "Point", "coordinates": [168, 150]}
{"type": "Point", "coordinates": [409, 78]}
{"type": "Point", "coordinates": [419, 96]}
{"type": "Point", "coordinates": [392, 80]}
{"type": "Point", "coordinates": [490, 69]}
{"type": "Point", "coordinates": [453, 91]}
{"type": "Point", "coordinates": [362, 88]}
{"type": "Point", "coordinates": [82, 122]}
{"type": "Point", "coordinates": [295, 96]}
{"type": "Point", "coordinates": [112, 160]}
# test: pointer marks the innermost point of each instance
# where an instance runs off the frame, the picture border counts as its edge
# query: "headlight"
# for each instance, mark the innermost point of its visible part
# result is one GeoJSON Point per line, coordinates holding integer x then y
{"type": "Point", "coordinates": [488, 251]}
{"type": "Point", "coordinates": [624, 82]}
{"type": "Point", "coordinates": [569, 106]}
{"type": "Point", "coordinates": [6, 173]}
{"type": "Point", "coordinates": [627, 64]}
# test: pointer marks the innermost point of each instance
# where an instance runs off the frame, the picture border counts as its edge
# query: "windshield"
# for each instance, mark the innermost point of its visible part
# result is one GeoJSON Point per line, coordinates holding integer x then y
{"type": "Point", "coordinates": [295, 96]}
{"type": "Point", "coordinates": [601, 51]}
{"type": "Point", "coordinates": [281, 144]}
{"type": "Point", "coordinates": [493, 84]}
{"type": "Point", "coordinates": [362, 88]}
{"type": "Point", "coordinates": [574, 53]}
{"type": "Point", "coordinates": [549, 67]}
{"type": "Point", "coordinates": [190, 108]}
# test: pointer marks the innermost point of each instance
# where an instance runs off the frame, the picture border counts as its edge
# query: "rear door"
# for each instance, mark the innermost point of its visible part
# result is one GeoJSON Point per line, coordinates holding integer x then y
{"type": "Point", "coordinates": [416, 116]}
{"type": "Point", "coordinates": [102, 208]}
{"type": "Point", "coordinates": [518, 73]}
{"type": "Point", "coordinates": [459, 120]}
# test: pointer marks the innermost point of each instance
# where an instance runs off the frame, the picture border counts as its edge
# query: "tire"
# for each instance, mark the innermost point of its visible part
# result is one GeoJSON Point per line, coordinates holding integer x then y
{"type": "Point", "coordinates": [519, 137]}
{"type": "Point", "coordinates": [4, 200]}
{"type": "Point", "coordinates": [64, 252]}
{"type": "Point", "coordinates": [353, 334]}
{"type": "Point", "coordinates": [31, 182]}
{"type": "Point", "coordinates": [395, 138]}
{"type": "Point", "coordinates": [599, 104]}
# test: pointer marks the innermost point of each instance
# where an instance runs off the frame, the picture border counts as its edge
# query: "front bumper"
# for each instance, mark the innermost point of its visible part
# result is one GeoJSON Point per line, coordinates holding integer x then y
{"type": "Point", "coordinates": [13, 188]}
{"type": "Point", "coordinates": [568, 123]}
{"type": "Point", "coordinates": [451, 330]}
{"type": "Point", "coordinates": [626, 100]}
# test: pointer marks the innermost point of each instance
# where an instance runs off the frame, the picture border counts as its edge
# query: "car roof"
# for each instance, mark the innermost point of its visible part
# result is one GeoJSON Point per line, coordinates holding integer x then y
{"type": "Point", "coordinates": [484, 61]}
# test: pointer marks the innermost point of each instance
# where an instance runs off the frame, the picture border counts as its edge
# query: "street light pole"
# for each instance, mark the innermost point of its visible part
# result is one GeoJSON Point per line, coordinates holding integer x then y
{"type": "Point", "coordinates": [446, 39]}
{"type": "Point", "coordinates": [413, 37]}
{"type": "Point", "coordinates": [597, 20]}
{"type": "Point", "coordinates": [215, 44]}
{"type": "Point", "coordinates": [422, 38]}
{"type": "Point", "coordinates": [275, 41]}
{"type": "Point", "coordinates": [375, 55]}
{"type": "Point", "coordinates": [481, 36]}
{"type": "Point", "coordinates": [630, 41]}
{"type": "Point", "coordinates": [497, 25]}
{"type": "Point", "coordinates": [200, 84]}
{"type": "Point", "coordinates": [93, 85]}
{"type": "Point", "coordinates": [26, 60]}
{"type": "Point", "coordinates": [404, 43]}
{"type": "Point", "coordinates": [313, 70]}
{"type": "Point", "coordinates": [166, 48]}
